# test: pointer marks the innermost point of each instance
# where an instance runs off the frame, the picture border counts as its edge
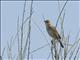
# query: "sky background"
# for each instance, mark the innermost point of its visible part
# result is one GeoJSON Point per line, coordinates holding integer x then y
{"type": "Point", "coordinates": [10, 10]}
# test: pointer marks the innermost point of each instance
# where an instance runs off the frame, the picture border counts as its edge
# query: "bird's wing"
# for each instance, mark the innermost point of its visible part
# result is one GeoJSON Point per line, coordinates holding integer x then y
{"type": "Point", "coordinates": [55, 32]}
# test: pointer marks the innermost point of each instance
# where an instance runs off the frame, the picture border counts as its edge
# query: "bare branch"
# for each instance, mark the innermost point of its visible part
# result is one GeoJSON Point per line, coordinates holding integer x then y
{"type": "Point", "coordinates": [39, 48]}
{"type": "Point", "coordinates": [77, 52]}
{"type": "Point", "coordinates": [22, 30]}
{"type": "Point", "coordinates": [61, 12]}
{"type": "Point", "coordinates": [30, 29]}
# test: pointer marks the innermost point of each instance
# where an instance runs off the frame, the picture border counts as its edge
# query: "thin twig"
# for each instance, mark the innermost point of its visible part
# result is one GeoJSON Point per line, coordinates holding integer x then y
{"type": "Point", "coordinates": [61, 12]}
{"type": "Point", "coordinates": [62, 31]}
{"type": "Point", "coordinates": [31, 56]}
{"type": "Point", "coordinates": [22, 29]}
{"type": "Point", "coordinates": [18, 37]}
{"type": "Point", "coordinates": [1, 56]}
{"type": "Point", "coordinates": [3, 52]}
{"type": "Point", "coordinates": [19, 29]}
{"type": "Point", "coordinates": [66, 47]}
{"type": "Point", "coordinates": [39, 48]}
{"type": "Point", "coordinates": [41, 31]}
{"type": "Point", "coordinates": [48, 56]}
{"type": "Point", "coordinates": [9, 52]}
{"type": "Point", "coordinates": [52, 50]}
{"type": "Point", "coordinates": [76, 52]}
{"type": "Point", "coordinates": [77, 40]}
{"type": "Point", "coordinates": [25, 47]}
{"type": "Point", "coordinates": [30, 29]}
{"type": "Point", "coordinates": [72, 52]}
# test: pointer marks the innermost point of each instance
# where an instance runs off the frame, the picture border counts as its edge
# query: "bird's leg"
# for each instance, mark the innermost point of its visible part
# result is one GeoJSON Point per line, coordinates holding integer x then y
{"type": "Point", "coordinates": [52, 42]}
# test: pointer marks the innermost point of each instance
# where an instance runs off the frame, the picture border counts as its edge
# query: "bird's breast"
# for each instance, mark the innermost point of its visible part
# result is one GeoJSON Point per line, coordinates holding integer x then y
{"type": "Point", "coordinates": [51, 33]}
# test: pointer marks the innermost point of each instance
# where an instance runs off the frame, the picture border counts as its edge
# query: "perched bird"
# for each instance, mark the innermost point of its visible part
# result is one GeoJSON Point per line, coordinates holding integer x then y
{"type": "Point", "coordinates": [53, 32]}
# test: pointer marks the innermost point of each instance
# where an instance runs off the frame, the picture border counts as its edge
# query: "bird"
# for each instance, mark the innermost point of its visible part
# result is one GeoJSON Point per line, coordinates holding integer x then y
{"type": "Point", "coordinates": [52, 31]}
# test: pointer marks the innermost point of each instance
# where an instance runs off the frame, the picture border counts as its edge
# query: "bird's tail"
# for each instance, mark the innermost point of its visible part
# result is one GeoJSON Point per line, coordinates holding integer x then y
{"type": "Point", "coordinates": [61, 44]}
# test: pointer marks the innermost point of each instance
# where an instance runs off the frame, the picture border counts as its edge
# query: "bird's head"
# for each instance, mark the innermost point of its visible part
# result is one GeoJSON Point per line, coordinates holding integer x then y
{"type": "Point", "coordinates": [47, 22]}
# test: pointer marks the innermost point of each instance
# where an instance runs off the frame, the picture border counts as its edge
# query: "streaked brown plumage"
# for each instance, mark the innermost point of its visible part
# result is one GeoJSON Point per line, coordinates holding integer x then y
{"type": "Point", "coordinates": [53, 32]}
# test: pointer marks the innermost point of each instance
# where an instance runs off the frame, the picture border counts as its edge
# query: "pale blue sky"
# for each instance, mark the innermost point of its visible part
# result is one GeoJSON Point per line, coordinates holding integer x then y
{"type": "Point", "coordinates": [49, 9]}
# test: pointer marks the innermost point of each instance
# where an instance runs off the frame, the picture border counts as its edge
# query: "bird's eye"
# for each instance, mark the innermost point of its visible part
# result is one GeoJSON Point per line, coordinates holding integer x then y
{"type": "Point", "coordinates": [47, 21]}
